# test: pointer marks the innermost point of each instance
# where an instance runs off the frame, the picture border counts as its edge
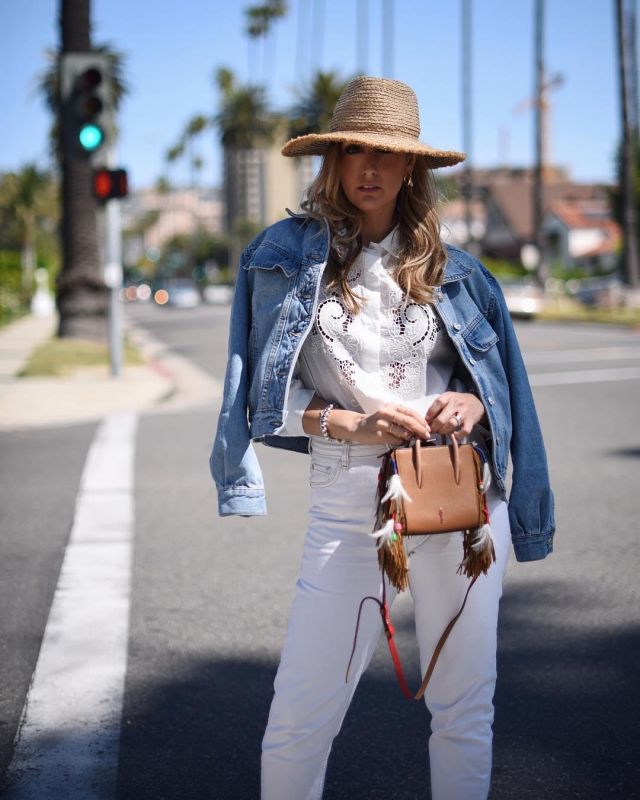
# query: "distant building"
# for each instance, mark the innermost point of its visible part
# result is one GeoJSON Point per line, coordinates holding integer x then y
{"type": "Point", "coordinates": [259, 184]}
{"type": "Point", "coordinates": [151, 218]}
{"type": "Point", "coordinates": [577, 217]}
{"type": "Point", "coordinates": [582, 233]}
{"type": "Point", "coordinates": [453, 222]}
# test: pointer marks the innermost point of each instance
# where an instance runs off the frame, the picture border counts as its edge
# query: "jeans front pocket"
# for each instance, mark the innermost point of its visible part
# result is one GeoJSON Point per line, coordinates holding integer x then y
{"type": "Point", "coordinates": [323, 473]}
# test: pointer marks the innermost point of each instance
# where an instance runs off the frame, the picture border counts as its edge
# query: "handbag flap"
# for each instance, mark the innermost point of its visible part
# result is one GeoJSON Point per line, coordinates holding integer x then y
{"type": "Point", "coordinates": [439, 503]}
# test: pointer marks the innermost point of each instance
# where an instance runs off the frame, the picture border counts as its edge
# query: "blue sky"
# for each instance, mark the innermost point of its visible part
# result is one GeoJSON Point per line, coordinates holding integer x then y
{"type": "Point", "coordinates": [173, 49]}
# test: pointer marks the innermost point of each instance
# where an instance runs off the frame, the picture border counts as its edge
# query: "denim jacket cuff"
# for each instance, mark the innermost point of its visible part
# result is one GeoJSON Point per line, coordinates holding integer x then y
{"type": "Point", "coordinates": [242, 500]}
{"type": "Point", "coordinates": [533, 548]}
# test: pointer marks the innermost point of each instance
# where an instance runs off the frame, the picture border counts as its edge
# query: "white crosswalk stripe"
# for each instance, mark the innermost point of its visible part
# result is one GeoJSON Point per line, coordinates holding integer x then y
{"type": "Point", "coordinates": [67, 743]}
{"type": "Point", "coordinates": [584, 376]}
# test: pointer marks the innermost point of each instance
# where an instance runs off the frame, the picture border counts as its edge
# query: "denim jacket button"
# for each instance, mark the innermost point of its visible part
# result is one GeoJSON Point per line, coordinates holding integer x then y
{"type": "Point", "coordinates": [472, 360]}
{"type": "Point", "coordinates": [456, 326]}
{"type": "Point", "coordinates": [491, 401]}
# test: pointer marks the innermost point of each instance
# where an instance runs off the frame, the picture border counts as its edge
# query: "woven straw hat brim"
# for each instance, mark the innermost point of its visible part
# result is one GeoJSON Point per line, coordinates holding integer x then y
{"type": "Point", "coordinates": [316, 144]}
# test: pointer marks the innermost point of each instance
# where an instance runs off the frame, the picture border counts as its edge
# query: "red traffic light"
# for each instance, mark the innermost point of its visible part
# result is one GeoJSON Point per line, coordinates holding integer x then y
{"type": "Point", "coordinates": [110, 184]}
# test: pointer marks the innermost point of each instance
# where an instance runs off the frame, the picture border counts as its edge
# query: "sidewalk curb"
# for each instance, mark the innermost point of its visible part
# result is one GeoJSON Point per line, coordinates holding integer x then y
{"type": "Point", "coordinates": [190, 384]}
{"type": "Point", "coordinates": [167, 382]}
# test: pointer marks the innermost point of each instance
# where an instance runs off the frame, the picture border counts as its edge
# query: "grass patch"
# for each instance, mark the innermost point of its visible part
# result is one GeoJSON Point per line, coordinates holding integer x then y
{"type": "Point", "coordinates": [574, 312]}
{"type": "Point", "coordinates": [11, 315]}
{"type": "Point", "coordinates": [61, 357]}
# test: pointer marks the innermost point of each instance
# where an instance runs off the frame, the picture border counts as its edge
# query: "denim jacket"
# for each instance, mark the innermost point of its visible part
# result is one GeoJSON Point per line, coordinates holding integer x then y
{"type": "Point", "coordinates": [272, 312]}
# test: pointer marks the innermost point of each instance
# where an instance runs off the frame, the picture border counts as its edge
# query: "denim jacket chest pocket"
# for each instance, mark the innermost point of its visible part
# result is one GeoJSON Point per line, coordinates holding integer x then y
{"type": "Point", "coordinates": [478, 334]}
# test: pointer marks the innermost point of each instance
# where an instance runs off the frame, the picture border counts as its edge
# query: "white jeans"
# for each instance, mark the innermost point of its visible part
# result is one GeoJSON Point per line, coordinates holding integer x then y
{"type": "Point", "coordinates": [339, 567]}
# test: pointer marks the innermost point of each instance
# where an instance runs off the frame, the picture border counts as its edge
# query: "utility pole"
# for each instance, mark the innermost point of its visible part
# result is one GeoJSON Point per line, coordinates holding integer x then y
{"type": "Point", "coordinates": [388, 36]}
{"type": "Point", "coordinates": [630, 265]}
{"type": "Point", "coordinates": [362, 37]}
{"type": "Point", "coordinates": [538, 175]}
{"type": "Point", "coordinates": [467, 120]}
{"type": "Point", "coordinates": [633, 55]}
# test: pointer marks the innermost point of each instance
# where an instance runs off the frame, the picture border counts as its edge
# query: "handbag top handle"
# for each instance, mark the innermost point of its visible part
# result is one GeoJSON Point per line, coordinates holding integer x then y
{"type": "Point", "coordinates": [455, 459]}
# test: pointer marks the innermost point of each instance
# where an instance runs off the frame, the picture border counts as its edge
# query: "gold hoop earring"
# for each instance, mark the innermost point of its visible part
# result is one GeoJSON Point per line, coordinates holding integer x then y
{"type": "Point", "coordinates": [408, 181]}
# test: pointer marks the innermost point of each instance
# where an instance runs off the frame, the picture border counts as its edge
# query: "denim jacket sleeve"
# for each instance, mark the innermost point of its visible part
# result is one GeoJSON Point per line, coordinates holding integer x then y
{"type": "Point", "coordinates": [531, 503]}
{"type": "Point", "coordinates": [233, 463]}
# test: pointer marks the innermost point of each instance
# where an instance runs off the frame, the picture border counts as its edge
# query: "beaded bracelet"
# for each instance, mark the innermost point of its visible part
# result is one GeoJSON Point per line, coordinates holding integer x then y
{"type": "Point", "coordinates": [323, 420]}
{"type": "Point", "coordinates": [324, 423]}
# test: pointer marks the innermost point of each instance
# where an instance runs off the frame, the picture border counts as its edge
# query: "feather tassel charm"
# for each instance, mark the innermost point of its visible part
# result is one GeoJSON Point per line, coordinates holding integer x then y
{"type": "Point", "coordinates": [393, 557]}
{"type": "Point", "coordinates": [486, 478]}
{"type": "Point", "coordinates": [385, 535]}
{"type": "Point", "coordinates": [395, 490]}
{"type": "Point", "coordinates": [478, 552]}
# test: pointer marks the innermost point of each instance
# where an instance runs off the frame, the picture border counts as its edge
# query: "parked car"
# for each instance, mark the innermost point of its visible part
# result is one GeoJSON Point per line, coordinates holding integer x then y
{"type": "Point", "coordinates": [180, 292]}
{"type": "Point", "coordinates": [524, 298]}
{"type": "Point", "coordinates": [601, 292]}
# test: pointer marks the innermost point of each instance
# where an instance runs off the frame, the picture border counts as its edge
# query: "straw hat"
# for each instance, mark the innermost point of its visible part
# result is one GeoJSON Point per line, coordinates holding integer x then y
{"type": "Point", "coordinates": [379, 112]}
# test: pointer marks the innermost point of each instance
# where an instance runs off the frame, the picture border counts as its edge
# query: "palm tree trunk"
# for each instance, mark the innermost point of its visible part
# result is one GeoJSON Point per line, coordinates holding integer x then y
{"type": "Point", "coordinates": [82, 296]}
{"type": "Point", "coordinates": [539, 168]}
{"type": "Point", "coordinates": [467, 120]}
{"type": "Point", "coordinates": [630, 261]}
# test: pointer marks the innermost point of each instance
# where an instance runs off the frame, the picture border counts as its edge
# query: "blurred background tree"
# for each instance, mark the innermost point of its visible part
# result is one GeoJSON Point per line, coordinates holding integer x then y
{"type": "Point", "coordinates": [29, 218]}
{"type": "Point", "coordinates": [315, 103]}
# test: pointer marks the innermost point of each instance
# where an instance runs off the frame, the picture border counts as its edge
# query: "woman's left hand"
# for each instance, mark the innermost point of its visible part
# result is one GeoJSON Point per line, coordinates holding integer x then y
{"type": "Point", "coordinates": [455, 412]}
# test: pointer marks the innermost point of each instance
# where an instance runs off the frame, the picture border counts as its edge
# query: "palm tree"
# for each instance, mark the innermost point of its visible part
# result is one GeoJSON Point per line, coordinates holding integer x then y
{"type": "Point", "coordinates": [82, 296]}
{"type": "Point", "coordinates": [314, 107]}
{"type": "Point", "coordinates": [259, 24]}
{"type": "Point", "coordinates": [243, 120]}
{"type": "Point", "coordinates": [30, 196]}
{"type": "Point", "coordinates": [245, 127]}
{"type": "Point", "coordinates": [196, 126]}
{"type": "Point", "coordinates": [312, 114]}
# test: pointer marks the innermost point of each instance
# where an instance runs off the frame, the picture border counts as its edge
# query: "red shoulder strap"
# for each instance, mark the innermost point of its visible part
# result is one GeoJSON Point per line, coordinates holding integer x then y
{"type": "Point", "coordinates": [389, 633]}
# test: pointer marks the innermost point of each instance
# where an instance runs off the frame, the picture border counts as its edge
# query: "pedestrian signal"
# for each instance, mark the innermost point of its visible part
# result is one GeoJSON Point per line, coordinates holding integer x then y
{"type": "Point", "coordinates": [110, 184]}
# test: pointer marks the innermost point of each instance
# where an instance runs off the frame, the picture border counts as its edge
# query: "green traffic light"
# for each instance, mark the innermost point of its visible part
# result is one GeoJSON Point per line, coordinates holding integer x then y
{"type": "Point", "coordinates": [91, 137]}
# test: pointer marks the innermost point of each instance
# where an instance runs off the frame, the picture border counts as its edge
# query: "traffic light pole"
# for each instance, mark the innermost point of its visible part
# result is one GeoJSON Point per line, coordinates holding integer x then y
{"type": "Point", "coordinates": [113, 274]}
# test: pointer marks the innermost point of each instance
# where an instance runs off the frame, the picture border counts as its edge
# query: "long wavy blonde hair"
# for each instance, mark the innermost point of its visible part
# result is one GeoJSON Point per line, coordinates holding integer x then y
{"type": "Point", "coordinates": [421, 254]}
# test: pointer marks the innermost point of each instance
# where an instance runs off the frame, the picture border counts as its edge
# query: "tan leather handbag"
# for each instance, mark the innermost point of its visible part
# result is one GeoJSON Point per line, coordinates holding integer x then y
{"type": "Point", "coordinates": [443, 483]}
{"type": "Point", "coordinates": [429, 489]}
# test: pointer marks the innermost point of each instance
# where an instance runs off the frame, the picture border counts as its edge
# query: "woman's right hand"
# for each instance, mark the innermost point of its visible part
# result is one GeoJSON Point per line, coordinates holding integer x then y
{"type": "Point", "coordinates": [392, 424]}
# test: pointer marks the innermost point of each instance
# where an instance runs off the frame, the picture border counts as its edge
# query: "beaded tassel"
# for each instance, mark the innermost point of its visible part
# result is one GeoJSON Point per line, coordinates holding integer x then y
{"type": "Point", "coordinates": [389, 524]}
{"type": "Point", "coordinates": [478, 549]}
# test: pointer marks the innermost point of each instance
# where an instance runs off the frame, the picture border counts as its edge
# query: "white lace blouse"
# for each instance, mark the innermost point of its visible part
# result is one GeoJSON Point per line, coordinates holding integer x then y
{"type": "Point", "coordinates": [390, 351]}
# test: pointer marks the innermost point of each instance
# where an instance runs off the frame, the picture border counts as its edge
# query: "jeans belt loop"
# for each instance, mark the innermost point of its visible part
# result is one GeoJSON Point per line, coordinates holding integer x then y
{"type": "Point", "coordinates": [344, 456]}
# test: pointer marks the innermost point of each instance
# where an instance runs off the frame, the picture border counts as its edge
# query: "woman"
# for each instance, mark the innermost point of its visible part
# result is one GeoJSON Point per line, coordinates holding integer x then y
{"type": "Point", "coordinates": [354, 329]}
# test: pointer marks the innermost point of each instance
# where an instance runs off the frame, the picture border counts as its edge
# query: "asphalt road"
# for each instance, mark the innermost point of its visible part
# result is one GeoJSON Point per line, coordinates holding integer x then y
{"type": "Point", "coordinates": [210, 597]}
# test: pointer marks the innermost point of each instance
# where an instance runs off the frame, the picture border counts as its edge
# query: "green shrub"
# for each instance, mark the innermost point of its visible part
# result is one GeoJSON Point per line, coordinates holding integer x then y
{"type": "Point", "coordinates": [502, 268]}
{"type": "Point", "coordinates": [12, 298]}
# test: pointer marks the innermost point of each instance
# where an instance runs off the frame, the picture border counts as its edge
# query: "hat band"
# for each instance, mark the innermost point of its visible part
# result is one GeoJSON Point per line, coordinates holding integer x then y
{"type": "Point", "coordinates": [379, 130]}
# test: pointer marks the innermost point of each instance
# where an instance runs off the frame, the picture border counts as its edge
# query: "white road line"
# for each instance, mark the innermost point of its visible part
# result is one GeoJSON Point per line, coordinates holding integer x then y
{"type": "Point", "coordinates": [67, 744]}
{"type": "Point", "coordinates": [587, 354]}
{"type": "Point", "coordinates": [584, 376]}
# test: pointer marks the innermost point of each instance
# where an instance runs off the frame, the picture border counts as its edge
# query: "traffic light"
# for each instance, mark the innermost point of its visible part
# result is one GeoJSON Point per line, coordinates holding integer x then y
{"type": "Point", "coordinates": [86, 104]}
{"type": "Point", "coordinates": [110, 184]}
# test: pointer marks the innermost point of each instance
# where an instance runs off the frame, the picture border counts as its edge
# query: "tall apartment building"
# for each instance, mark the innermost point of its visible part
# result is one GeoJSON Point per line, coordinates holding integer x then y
{"type": "Point", "coordinates": [259, 184]}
